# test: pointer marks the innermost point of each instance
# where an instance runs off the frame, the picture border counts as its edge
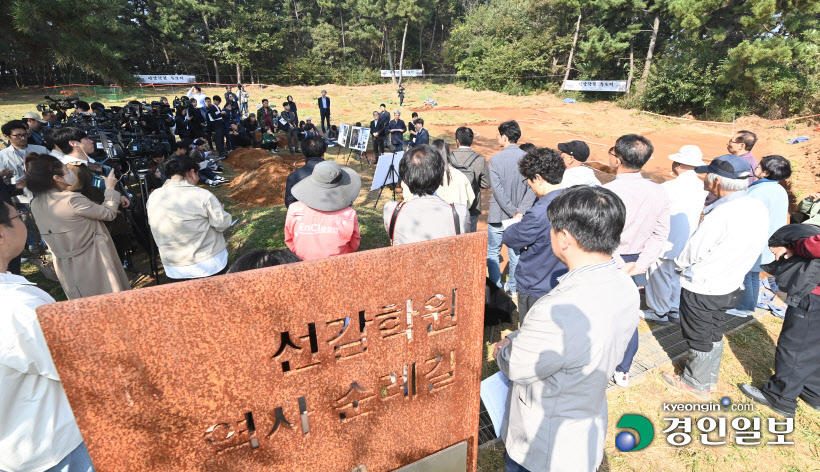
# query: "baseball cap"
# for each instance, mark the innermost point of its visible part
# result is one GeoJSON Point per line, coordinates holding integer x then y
{"type": "Point", "coordinates": [308, 119]}
{"type": "Point", "coordinates": [728, 166]}
{"type": "Point", "coordinates": [33, 115]}
{"type": "Point", "coordinates": [577, 149]}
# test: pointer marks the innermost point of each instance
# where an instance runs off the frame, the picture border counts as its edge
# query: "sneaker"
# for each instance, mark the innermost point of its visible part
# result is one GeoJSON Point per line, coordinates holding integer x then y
{"type": "Point", "coordinates": [673, 316]}
{"type": "Point", "coordinates": [678, 384]}
{"type": "Point", "coordinates": [739, 313]}
{"type": "Point", "coordinates": [215, 184]}
{"type": "Point", "coordinates": [650, 315]}
{"type": "Point", "coordinates": [621, 379]}
{"type": "Point", "coordinates": [755, 394]}
{"type": "Point", "coordinates": [219, 178]}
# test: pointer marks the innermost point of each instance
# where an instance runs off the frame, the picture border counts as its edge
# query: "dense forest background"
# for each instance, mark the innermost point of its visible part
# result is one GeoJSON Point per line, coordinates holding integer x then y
{"type": "Point", "coordinates": [710, 58]}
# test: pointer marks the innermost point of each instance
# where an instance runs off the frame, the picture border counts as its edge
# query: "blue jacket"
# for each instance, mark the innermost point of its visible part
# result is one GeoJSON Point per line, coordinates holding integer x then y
{"type": "Point", "coordinates": [538, 269]}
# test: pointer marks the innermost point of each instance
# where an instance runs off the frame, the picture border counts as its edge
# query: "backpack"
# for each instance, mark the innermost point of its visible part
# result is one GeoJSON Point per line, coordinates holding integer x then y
{"type": "Point", "coordinates": [467, 170]}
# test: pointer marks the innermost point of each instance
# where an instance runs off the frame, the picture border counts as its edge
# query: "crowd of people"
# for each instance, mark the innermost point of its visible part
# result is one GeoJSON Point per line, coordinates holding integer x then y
{"type": "Point", "coordinates": [578, 254]}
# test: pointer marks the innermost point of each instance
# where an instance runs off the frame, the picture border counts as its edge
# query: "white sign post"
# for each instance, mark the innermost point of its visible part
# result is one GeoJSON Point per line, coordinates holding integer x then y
{"type": "Point", "coordinates": [596, 85]}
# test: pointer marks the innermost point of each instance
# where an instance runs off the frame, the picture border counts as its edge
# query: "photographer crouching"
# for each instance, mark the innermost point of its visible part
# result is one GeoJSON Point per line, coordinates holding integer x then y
{"type": "Point", "coordinates": [188, 223]}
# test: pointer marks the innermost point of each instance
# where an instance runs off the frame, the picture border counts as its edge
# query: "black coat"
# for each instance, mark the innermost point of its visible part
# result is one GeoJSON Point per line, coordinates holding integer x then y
{"type": "Point", "coordinates": [397, 138]}
{"type": "Point", "coordinates": [797, 275]}
{"type": "Point", "coordinates": [324, 111]}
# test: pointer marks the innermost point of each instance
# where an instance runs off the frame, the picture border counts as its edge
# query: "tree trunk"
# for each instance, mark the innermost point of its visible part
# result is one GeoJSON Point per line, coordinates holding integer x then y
{"type": "Point", "coordinates": [401, 58]}
{"type": "Point", "coordinates": [167, 58]}
{"type": "Point", "coordinates": [238, 74]}
{"type": "Point", "coordinates": [572, 51]}
{"type": "Point", "coordinates": [216, 71]}
{"type": "Point", "coordinates": [648, 64]}
{"type": "Point", "coordinates": [342, 24]}
{"type": "Point", "coordinates": [421, 56]}
{"type": "Point", "coordinates": [433, 39]}
{"type": "Point", "coordinates": [631, 68]}
{"type": "Point", "coordinates": [390, 57]}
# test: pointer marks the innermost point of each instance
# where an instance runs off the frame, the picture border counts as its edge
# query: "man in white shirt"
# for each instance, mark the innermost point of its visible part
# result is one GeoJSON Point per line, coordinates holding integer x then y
{"type": "Point", "coordinates": [713, 265]}
{"type": "Point", "coordinates": [37, 428]}
{"type": "Point", "coordinates": [196, 94]}
{"type": "Point", "coordinates": [686, 197]}
{"type": "Point", "coordinates": [575, 153]}
{"type": "Point", "coordinates": [13, 157]}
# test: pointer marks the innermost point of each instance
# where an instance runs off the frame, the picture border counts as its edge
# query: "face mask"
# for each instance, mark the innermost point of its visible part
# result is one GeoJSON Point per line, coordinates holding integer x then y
{"type": "Point", "coordinates": [70, 178]}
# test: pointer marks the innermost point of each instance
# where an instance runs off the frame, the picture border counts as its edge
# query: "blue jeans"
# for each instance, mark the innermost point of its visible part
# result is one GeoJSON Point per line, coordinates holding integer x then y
{"type": "Point", "coordinates": [494, 234]}
{"type": "Point", "coordinates": [243, 109]}
{"type": "Point", "coordinates": [512, 466]}
{"type": "Point", "coordinates": [77, 460]}
{"type": "Point", "coordinates": [751, 290]}
{"type": "Point", "coordinates": [398, 147]}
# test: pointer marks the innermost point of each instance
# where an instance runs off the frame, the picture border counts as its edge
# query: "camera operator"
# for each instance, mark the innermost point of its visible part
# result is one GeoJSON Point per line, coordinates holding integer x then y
{"type": "Point", "coordinates": [76, 147]}
{"type": "Point", "coordinates": [251, 125]}
{"type": "Point", "coordinates": [216, 126]}
{"type": "Point", "coordinates": [49, 118]}
{"type": "Point", "coordinates": [188, 223]}
{"type": "Point", "coordinates": [34, 123]}
{"type": "Point", "coordinates": [83, 108]}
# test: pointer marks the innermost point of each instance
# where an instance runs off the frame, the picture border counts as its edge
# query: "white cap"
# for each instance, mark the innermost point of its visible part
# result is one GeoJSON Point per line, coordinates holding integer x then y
{"type": "Point", "coordinates": [689, 155]}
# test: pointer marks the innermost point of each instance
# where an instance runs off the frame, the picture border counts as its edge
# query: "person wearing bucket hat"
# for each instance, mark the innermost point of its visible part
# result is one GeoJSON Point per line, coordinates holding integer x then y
{"type": "Point", "coordinates": [686, 197]}
{"type": "Point", "coordinates": [575, 153]}
{"type": "Point", "coordinates": [713, 264]}
{"type": "Point", "coordinates": [322, 223]}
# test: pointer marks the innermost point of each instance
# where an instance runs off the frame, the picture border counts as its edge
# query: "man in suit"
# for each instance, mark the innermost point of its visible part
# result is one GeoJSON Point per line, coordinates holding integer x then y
{"type": "Point", "coordinates": [384, 119]}
{"type": "Point", "coordinates": [397, 128]}
{"type": "Point", "coordinates": [377, 130]}
{"type": "Point", "coordinates": [559, 362]}
{"type": "Point", "coordinates": [422, 136]}
{"type": "Point", "coordinates": [324, 110]}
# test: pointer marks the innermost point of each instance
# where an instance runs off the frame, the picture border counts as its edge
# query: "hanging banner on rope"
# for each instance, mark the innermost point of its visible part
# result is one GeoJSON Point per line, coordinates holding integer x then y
{"type": "Point", "coordinates": [166, 79]}
{"type": "Point", "coordinates": [595, 85]}
{"type": "Point", "coordinates": [404, 73]}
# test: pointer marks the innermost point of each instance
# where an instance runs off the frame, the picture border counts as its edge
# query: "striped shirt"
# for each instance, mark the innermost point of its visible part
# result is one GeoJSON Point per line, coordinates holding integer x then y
{"type": "Point", "coordinates": [647, 218]}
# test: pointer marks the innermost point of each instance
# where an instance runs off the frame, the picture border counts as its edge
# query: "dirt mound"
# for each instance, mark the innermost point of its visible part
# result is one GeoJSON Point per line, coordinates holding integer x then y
{"type": "Point", "coordinates": [263, 183]}
{"type": "Point", "coordinates": [242, 160]}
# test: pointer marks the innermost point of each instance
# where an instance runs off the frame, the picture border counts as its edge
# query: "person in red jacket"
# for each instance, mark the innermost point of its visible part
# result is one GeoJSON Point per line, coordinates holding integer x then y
{"type": "Point", "coordinates": [322, 223]}
{"type": "Point", "coordinates": [797, 358]}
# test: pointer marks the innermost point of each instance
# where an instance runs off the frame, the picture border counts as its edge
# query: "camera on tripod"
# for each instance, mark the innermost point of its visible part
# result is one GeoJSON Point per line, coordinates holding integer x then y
{"type": "Point", "coordinates": [57, 104]}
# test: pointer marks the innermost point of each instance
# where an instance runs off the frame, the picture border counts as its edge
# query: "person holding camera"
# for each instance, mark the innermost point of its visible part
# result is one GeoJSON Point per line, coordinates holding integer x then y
{"type": "Point", "coordinates": [85, 258]}
{"type": "Point", "coordinates": [188, 223]}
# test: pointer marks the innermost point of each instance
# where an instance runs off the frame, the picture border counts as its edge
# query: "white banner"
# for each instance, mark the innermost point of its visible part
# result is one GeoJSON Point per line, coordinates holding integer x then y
{"type": "Point", "coordinates": [405, 73]}
{"type": "Point", "coordinates": [165, 79]}
{"type": "Point", "coordinates": [596, 85]}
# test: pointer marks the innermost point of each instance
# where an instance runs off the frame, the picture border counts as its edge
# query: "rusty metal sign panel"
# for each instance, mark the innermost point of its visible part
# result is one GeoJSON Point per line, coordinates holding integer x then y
{"type": "Point", "coordinates": [369, 359]}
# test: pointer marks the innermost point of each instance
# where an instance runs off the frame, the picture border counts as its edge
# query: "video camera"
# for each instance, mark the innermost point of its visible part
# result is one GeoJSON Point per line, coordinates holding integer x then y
{"type": "Point", "coordinates": [58, 104]}
{"type": "Point", "coordinates": [184, 101]}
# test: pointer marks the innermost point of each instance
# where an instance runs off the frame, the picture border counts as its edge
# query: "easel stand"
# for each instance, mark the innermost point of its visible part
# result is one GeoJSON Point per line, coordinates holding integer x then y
{"type": "Point", "coordinates": [391, 172]}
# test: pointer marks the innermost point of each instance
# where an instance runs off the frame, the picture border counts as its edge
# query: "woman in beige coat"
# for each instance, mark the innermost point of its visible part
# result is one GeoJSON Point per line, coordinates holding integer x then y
{"type": "Point", "coordinates": [85, 258]}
